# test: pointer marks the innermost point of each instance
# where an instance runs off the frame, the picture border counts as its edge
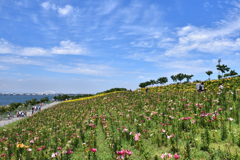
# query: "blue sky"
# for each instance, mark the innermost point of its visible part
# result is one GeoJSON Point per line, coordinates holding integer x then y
{"type": "Point", "coordinates": [89, 46]}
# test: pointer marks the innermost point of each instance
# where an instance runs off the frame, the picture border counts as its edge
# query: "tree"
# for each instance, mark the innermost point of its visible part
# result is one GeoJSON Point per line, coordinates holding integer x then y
{"type": "Point", "coordinates": [209, 73]}
{"type": "Point", "coordinates": [180, 77]}
{"type": "Point", "coordinates": [148, 83]}
{"type": "Point", "coordinates": [189, 76]}
{"type": "Point", "coordinates": [233, 73]}
{"type": "Point", "coordinates": [226, 75]}
{"type": "Point", "coordinates": [219, 76]}
{"type": "Point", "coordinates": [163, 80]}
{"type": "Point", "coordinates": [223, 68]}
{"type": "Point", "coordinates": [174, 79]}
{"type": "Point", "coordinates": [142, 85]}
{"type": "Point", "coordinates": [152, 82]}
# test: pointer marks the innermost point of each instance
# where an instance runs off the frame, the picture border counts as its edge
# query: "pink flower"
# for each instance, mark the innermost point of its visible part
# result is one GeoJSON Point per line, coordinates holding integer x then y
{"type": "Point", "coordinates": [137, 136]}
{"type": "Point", "coordinates": [189, 117]}
{"type": "Point", "coordinates": [60, 148]}
{"type": "Point", "coordinates": [93, 150]}
{"type": "Point", "coordinates": [122, 152]}
{"type": "Point", "coordinates": [39, 149]}
{"type": "Point", "coordinates": [2, 155]}
{"type": "Point", "coordinates": [169, 155]}
{"type": "Point", "coordinates": [163, 130]}
{"type": "Point", "coordinates": [230, 119]}
{"type": "Point", "coordinates": [69, 151]}
{"type": "Point", "coordinates": [176, 156]}
{"type": "Point", "coordinates": [220, 109]}
{"type": "Point", "coordinates": [129, 153]}
{"type": "Point", "coordinates": [163, 156]}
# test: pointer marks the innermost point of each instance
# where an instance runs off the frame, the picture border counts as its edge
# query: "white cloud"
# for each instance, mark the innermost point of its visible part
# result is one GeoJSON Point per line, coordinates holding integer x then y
{"type": "Point", "coordinates": [143, 44]}
{"type": "Point", "coordinates": [33, 51]}
{"type": "Point", "coordinates": [207, 5]}
{"type": "Point", "coordinates": [107, 6]}
{"type": "Point", "coordinates": [46, 5]}
{"type": "Point", "coordinates": [63, 11]}
{"type": "Point", "coordinates": [66, 10]}
{"type": "Point", "coordinates": [3, 67]}
{"type": "Point", "coordinates": [68, 47]}
{"type": "Point", "coordinates": [85, 69]}
{"type": "Point", "coordinates": [5, 46]}
{"type": "Point", "coordinates": [237, 54]}
{"type": "Point", "coordinates": [22, 61]}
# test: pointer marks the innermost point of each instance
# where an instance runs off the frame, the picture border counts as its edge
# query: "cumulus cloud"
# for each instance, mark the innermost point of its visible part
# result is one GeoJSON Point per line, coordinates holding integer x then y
{"type": "Point", "coordinates": [63, 11]}
{"type": "Point", "coordinates": [66, 10]}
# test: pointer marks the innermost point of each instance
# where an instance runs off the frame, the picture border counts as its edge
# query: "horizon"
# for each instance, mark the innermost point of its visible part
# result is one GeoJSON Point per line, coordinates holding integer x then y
{"type": "Point", "coordinates": [92, 46]}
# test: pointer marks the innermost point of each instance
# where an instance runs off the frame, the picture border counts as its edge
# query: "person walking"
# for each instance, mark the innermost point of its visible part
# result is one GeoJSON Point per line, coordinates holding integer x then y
{"type": "Point", "coordinates": [147, 90]}
{"type": "Point", "coordinates": [139, 90]}
{"type": "Point", "coordinates": [32, 109]}
{"type": "Point", "coordinates": [9, 114]}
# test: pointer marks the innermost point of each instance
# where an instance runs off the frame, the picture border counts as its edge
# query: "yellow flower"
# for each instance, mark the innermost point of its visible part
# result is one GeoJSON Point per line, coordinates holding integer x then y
{"type": "Point", "coordinates": [22, 146]}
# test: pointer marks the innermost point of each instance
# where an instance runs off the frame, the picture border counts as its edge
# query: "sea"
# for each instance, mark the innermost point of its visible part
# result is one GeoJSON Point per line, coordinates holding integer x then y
{"type": "Point", "coordinates": [7, 99]}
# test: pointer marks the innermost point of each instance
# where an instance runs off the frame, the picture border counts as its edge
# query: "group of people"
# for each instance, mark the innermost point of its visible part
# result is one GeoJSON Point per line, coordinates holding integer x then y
{"type": "Point", "coordinates": [21, 113]}
{"type": "Point", "coordinates": [36, 108]}
{"type": "Point", "coordinates": [200, 87]}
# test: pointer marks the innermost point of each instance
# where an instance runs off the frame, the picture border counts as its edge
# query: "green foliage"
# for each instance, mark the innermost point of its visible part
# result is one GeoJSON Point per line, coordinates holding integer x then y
{"type": "Point", "coordinates": [180, 76]}
{"type": "Point", "coordinates": [174, 78]}
{"type": "Point", "coordinates": [209, 73]}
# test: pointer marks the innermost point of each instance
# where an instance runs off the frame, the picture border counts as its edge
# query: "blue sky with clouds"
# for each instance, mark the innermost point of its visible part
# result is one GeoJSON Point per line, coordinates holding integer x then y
{"type": "Point", "coordinates": [90, 46]}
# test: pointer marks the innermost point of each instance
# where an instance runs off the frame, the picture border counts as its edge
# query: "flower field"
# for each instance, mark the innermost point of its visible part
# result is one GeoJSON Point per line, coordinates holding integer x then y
{"type": "Point", "coordinates": [229, 84]}
{"type": "Point", "coordinates": [174, 124]}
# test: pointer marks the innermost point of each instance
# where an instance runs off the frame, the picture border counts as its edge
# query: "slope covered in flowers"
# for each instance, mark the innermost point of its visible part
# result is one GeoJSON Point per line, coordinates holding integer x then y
{"type": "Point", "coordinates": [212, 86]}
{"type": "Point", "coordinates": [131, 125]}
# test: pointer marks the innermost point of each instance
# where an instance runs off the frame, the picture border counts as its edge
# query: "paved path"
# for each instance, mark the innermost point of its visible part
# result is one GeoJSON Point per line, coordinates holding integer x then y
{"type": "Point", "coordinates": [6, 121]}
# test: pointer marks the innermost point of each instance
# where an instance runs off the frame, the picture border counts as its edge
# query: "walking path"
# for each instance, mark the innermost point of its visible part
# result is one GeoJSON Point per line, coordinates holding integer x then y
{"type": "Point", "coordinates": [6, 121]}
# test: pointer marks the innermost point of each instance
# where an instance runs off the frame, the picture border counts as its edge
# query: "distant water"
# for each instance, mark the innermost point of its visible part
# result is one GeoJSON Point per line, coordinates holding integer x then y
{"type": "Point", "coordinates": [5, 100]}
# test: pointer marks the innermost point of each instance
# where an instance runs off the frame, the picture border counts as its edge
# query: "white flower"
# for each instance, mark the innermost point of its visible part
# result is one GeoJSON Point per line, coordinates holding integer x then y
{"type": "Point", "coordinates": [53, 155]}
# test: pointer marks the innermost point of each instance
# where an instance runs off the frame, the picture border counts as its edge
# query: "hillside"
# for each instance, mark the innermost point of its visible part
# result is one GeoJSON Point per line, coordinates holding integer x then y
{"type": "Point", "coordinates": [170, 121]}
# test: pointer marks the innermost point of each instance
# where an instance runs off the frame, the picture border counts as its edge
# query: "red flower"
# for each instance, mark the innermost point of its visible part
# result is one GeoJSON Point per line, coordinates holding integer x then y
{"type": "Point", "coordinates": [93, 150]}
{"type": "Point", "coordinates": [176, 156]}
{"type": "Point", "coordinates": [39, 149]}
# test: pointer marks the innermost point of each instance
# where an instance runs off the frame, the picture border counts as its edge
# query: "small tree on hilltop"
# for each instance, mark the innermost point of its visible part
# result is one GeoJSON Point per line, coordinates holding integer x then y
{"type": "Point", "coordinates": [189, 76]}
{"type": "Point", "coordinates": [142, 85]}
{"type": "Point", "coordinates": [174, 79]}
{"type": "Point", "coordinates": [233, 73]}
{"type": "Point", "coordinates": [209, 73]}
{"type": "Point", "coordinates": [223, 68]}
{"type": "Point", "coordinates": [152, 82]}
{"type": "Point", "coordinates": [180, 77]}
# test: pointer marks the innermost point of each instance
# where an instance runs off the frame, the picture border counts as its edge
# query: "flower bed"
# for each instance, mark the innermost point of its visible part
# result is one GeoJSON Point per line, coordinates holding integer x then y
{"type": "Point", "coordinates": [130, 125]}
